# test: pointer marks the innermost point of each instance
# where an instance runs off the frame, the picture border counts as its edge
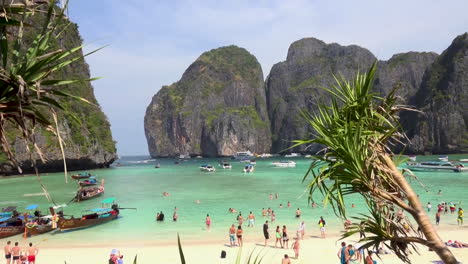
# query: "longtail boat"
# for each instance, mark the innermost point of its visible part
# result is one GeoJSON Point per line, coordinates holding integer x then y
{"type": "Point", "coordinates": [89, 182]}
{"type": "Point", "coordinates": [94, 217]}
{"type": "Point", "coordinates": [86, 193]}
{"type": "Point", "coordinates": [39, 224]}
{"type": "Point", "coordinates": [80, 176]}
{"type": "Point", "coordinates": [11, 228]}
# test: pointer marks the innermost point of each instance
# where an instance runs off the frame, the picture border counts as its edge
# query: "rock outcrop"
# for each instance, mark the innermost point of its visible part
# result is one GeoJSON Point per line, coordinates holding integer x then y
{"type": "Point", "coordinates": [216, 109]}
{"type": "Point", "coordinates": [443, 99]}
{"type": "Point", "coordinates": [296, 84]}
{"type": "Point", "coordinates": [85, 128]}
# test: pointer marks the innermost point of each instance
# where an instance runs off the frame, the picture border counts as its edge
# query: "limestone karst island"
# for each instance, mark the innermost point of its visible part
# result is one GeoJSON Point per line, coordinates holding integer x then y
{"type": "Point", "coordinates": [233, 132]}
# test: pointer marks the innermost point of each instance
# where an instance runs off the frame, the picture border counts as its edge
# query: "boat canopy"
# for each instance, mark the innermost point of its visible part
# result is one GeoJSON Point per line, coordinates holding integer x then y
{"type": "Point", "coordinates": [4, 219]}
{"type": "Point", "coordinates": [9, 209]}
{"type": "Point", "coordinates": [97, 210]}
{"type": "Point", "coordinates": [32, 207]}
{"type": "Point", "coordinates": [109, 200]}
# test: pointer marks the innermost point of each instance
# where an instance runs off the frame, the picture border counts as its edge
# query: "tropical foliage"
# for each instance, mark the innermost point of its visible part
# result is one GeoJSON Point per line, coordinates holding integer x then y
{"type": "Point", "coordinates": [357, 130]}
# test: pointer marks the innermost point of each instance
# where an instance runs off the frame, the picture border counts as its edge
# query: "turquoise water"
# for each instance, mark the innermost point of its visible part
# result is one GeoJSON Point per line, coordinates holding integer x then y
{"type": "Point", "coordinates": [136, 183]}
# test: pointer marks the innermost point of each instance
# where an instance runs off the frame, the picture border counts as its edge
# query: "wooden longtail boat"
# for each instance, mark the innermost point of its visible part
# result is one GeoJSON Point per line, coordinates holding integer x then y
{"type": "Point", "coordinates": [89, 182]}
{"type": "Point", "coordinates": [86, 193]}
{"type": "Point", "coordinates": [95, 217]}
{"type": "Point", "coordinates": [80, 176]}
{"type": "Point", "coordinates": [37, 225]}
{"type": "Point", "coordinates": [11, 228]}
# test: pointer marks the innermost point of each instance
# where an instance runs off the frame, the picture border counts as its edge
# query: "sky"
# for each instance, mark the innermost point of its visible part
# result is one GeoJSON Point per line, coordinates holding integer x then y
{"type": "Point", "coordinates": [150, 43]}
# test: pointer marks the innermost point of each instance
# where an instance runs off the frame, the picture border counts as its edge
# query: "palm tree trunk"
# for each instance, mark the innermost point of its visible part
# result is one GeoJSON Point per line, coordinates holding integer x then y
{"type": "Point", "coordinates": [421, 217]}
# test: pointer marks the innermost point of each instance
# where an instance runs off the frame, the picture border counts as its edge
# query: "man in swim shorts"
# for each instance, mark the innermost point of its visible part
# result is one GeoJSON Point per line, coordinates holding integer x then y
{"type": "Point", "coordinates": [15, 251]}
{"type": "Point", "coordinates": [251, 218]}
{"type": "Point", "coordinates": [232, 235]}
{"type": "Point", "coordinates": [7, 250]}
{"type": "Point", "coordinates": [32, 253]}
{"type": "Point", "coordinates": [266, 234]}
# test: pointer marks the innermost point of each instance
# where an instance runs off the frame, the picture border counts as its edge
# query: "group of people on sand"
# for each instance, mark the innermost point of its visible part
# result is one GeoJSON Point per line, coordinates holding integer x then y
{"type": "Point", "coordinates": [17, 255]}
{"type": "Point", "coordinates": [348, 254]}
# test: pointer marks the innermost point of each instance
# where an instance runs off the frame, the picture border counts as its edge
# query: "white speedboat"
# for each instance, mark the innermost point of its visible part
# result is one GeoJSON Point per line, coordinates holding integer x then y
{"type": "Point", "coordinates": [436, 166]}
{"type": "Point", "coordinates": [464, 160]}
{"type": "Point", "coordinates": [226, 165]}
{"type": "Point", "coordinates": [265, 155]}
{"type": "Point", "coordinates": [284, 163]}
{"type": "Point", "coordinates": [443, 158]}
{"type": "Point", "coordinates": [207, 168]}
{"type": "Point", "coordinates": [292, 155]}
{"type": "Point", "coordinates": [249, 168]}
{"type": "Point", "coordinates": [243, 155]}
{"type": "Point", "coordinates": [411, 157]}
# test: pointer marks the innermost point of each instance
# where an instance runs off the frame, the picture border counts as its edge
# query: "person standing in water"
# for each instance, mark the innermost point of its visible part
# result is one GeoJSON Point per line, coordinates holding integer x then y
{"type": "Point", "coordinates": [289, 204]}
{"type": "Point", "coordinates": [298, 213]}
{"type": "Point", "coordinates": [264, 212]}
{"type": "Point", "coordinates": [429, 206]}
{"type": "Point", "coordinates": [251, 218]}
{"type": "Point", "coordinates": [175, 216]}
{"type": "Point", "coordinates": [240, 218]}
{"type": "Point", "coordinates": [460, 216]}
{"type": "Point", "coordinates": [273, 216]}
{"type": "Point", "coordinates": [437, 217]}
{"type": "Point", "coordinates": [208, 222]}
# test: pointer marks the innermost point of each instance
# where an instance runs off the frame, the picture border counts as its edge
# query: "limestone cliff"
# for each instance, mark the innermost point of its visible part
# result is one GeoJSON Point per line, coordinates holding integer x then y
{"type": "Point", "coordinates": [84, 127]}
{"type": "Point", "coordinates": [443, 99]}
{"type": "Point", "coordinates": [216, 109]}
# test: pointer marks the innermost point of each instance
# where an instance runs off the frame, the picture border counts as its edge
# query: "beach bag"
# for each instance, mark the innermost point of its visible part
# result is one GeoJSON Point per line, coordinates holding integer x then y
{"type": "Point", "coordinates": [223, 254]}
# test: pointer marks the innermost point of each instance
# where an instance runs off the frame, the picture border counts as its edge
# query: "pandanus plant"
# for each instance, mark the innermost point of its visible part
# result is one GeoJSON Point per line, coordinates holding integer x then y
{"type": "Point", "coordinates": [358, 129]}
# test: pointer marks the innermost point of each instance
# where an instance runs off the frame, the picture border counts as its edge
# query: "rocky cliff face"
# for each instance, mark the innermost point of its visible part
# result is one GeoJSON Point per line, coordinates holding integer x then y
{"type": "Point", "coordinates": [296, 84]}
{"type": "Point", "coordinates": [89, 142]}
{"type": "Point", "coordinates": [216, 109]}
{"type": "Point", "coordinates": [443, 98]}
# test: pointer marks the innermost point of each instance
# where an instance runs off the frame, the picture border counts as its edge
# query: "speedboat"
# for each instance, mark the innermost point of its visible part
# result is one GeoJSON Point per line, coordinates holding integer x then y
{"type": "Point", "coordinates": [249, 168]}
{"type": "Point", "coordinates": [265, 155]}
{"type": "Point", "coordinates": [464, 160]}
{"type": "Point", "coordinates": [292, 155]}
{"type": "Point", "coordinates": [436, 166]}
{"type": "Point", "coordinates": [246, 160]}
{"type": "Point", "coordinates": [243, 155]}
{"type": "Point", "coordinates": [253, 162]}
{"type": "Point", "coordinates": [226, 165]}
{"type": "Point", "coordinates": [284, 163]}
{"type": "Point", "coordinates": [443, 158]}
{"type": "Point", "coordinates": [207, 168]}
{"type": "Point", "coordinates": [411, 157]}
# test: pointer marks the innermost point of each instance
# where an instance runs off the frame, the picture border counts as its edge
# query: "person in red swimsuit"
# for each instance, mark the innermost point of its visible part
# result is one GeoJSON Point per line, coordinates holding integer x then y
{"type": "Point", "coordinates": [32, 253]}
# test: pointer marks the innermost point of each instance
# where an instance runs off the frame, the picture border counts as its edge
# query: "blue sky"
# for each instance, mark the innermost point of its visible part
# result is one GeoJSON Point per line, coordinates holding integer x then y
{"type": "Point", "coordinates": [152, 42]}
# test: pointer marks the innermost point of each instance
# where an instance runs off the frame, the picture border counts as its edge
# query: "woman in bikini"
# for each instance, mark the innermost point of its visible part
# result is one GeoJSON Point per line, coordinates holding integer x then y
{"type": "Point", "coordinates": [239, 236]}
{"type": "Point", "coordinates": [285, 237]}
{"type": "Point", "coordinates": [278, 236]}
{"type": "Point", "coordinates": [208, 222]}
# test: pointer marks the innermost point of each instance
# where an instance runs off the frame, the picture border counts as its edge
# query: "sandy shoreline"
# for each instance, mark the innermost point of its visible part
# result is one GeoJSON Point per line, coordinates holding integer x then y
{"type": "Point", "coordinates": [313, 250]}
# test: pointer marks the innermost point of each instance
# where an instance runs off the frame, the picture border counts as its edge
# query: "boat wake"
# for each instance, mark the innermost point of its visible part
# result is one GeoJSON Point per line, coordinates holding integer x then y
{"type": "Point", "coordinates": [33, 194]}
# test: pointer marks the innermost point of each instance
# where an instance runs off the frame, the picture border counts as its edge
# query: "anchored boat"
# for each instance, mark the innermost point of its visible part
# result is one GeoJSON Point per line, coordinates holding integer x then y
{"type": "Point", "coordinates": [284, 163]}
{"type": "Point", "coordinates": [249, 168]}
{"type": "Point", "coordinates": [86, 193]}
{"type": "Point", "coordinates": [207, 168]}
{"type": "Point", "coordinates": [436, 166]}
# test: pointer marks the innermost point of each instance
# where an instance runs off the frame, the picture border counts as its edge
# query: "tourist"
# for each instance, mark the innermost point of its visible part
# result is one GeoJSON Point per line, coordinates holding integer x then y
{"type": "Point", "coordinates": [298, 213]}
{"type": "Point", "coordinates": [301, 230]}
{"type": "Point", "coordinates": [269, 211]}
{"type": "Point", "coordinates": [296, 246]}
{"type": "Point", "coordinates": [273, 216]}
{"type": "Point", "coordinates": [233, 210]}
{"type": "Point", "coordinates": [239, 236]}
{"type": "Point", "coordinates": [289, 204]}
{"type": "Point", "coordinates": [343, 254]}
{"type": "Point", "coordinates": [276, 196]}
{"type": "Point", "coordinates": [32, 253]}
{"type": "Point", "coordinates": [281, 206]}
{"type": "Point", "coordinates": [440, 192]}
{"type": "Point", "coordinates": [197, 201]}
{"type": "Point", "coordinates": [232, 235]}
{"type": "Point", "coordinates": [286, 259]}
{"type": "Point", "coordinates": [240, 218]}
{"type": "Point", "coordinates": [460, 216]}
{"type": "Point", "coordinates": [429, 206]}
{"type": "Point", "coordinates": [322, 224]}
{"type": "Point", "coordinates": [175, 208]}
{"type": "Point", "coordinates": [452, 208]}
{"type": "Point", "coordinates": [15, 252]}
{"type": "Point", "coordinates": [264, 212]}
{"type": "Point", "coordinates": [369, 259]}
{"type": "Point", "coordinates": [208, 222]}
{"type": "Point", "coordinates": [266, 234]}
{"type": "Point", "coordinates": [251, 218]}
{"type": "Point", "coordinates": [271, 196]}
{"type": "Point", "coordinates": [278, 236]}
{"type": "Point", "coordinates": [114, 256]}
{"type": "Point", "coordinates": [120, 260]}
{"type": "Point", "coordinates": [160, 216]}
{"type": "Point", "coordinates": [175, 216]}
{"type": "Point", "coordinates": [437, 217]}
{"type": "Point", "coordinates": [359, 252]}
{"type": "Point", "coordinates": [446, 208]}
{"type": "Point", "coordinates": [7, 250]}
{"type": "Point", "coordinates": [285, 237]}
{"type": "Point", "coordinates": [351, 253]}
{"type": "Point", "coordinates": [314, 205]}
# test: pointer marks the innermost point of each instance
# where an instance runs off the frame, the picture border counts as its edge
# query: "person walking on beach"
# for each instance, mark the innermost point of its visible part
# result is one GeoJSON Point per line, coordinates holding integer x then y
{"type": "Point", "coordinates": [239, 236]}
{"type": "Point", "coordinates": [278, 236]}
{"type": "Point", "coordinates": [437, 217]}
{"type": "Point", "coordinates": [15, 252]}
{"type": "Point", "coordinates": [301, 230]}
{"type": "Point", "coordinates": [343, 253]}
{"type": "Point", "coordinates": [7, 250]}
{"type": "Point", "coordinates": [208, 222]}
{"type": "Point", "coordinates": [285, 237]}
{"type": "Point", "coordinates": [232, 235]}
{"type": "Point", "coordinates": [286, 259]}
{"type": "Point", "coordinates": [322, 227]}
{"type": "Point", "coordinates": [460, 216]}
{"type": "Point", "coordinates": [266, 234]}
{"type": "Point", "coordinates": [32, 253]}
{"type": "Point", "coordinates": [296, 247]}
{"type": "Point", "coordinates": [251, 218]}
